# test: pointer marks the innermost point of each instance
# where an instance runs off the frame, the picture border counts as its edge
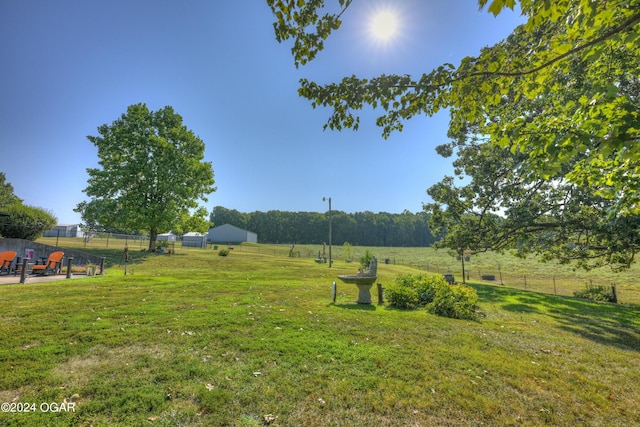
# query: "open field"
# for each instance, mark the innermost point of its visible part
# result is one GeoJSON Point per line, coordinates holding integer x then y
{"type": "Point", "coordinates": [510, 271]}
{"type": "Point", "coordinates": [253, 339]}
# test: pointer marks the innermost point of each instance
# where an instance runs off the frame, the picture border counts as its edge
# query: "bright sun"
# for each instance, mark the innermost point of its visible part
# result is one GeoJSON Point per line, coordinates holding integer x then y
{"type": "Point", "coordinates": [384, 25]}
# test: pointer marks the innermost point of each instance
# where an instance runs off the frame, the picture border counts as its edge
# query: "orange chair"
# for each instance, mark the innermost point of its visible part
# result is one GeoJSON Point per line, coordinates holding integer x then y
{"type": "Point", "coordinates": [6, 259]}
{"type": "Point", "coordinates": [53, 264]}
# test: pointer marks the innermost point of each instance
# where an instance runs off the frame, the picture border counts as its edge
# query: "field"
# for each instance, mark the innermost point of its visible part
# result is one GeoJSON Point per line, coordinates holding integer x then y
{"type": "Point", "coordinates": [509, 271]}
{"type": "Point", "coordinates": [254, 339]}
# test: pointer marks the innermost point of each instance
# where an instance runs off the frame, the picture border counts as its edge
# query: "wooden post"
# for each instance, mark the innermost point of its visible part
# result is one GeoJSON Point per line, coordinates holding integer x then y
{"type": "Point", "coordinates": [23, 273]}
{"type": "Point", "coordinates": [380, 294]}
{"type": "Point", "coordinates": [102, 265]}
{"type": "Point", "coordinates": [334, 291]}
{"type": "Point", "coordinates": [126, 259]}
{"type": "Point", "coordinates": [554, 286]}
{"type": "Point", "coordinates": [69, 262]}
{"type": "Point", "coordinates": [614, 293]}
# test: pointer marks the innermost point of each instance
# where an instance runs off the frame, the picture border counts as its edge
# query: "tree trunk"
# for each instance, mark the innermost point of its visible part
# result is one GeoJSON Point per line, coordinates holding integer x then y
{"type": "Point", "coordinates": [153, 235]}
{"type": "Point", "coordinates": [463, 272]}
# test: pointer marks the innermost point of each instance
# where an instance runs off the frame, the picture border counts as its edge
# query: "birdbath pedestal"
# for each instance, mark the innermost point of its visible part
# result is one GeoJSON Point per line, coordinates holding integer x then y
{"type": "Point", "coordinates": [364, 281]}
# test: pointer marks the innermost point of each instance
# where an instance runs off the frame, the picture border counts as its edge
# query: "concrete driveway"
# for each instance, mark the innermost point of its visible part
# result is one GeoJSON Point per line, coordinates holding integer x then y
{"type": "Point", "coordinates": [11, 279]}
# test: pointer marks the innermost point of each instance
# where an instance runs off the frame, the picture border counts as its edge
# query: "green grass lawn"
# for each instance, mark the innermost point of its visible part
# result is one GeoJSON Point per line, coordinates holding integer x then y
{"type": "Point", "coordinates": [254, 339]}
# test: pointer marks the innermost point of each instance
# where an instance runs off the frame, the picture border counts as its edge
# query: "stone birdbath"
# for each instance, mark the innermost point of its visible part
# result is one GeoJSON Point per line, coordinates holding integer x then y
{"type": "Point", "coordinates": [363, 280]}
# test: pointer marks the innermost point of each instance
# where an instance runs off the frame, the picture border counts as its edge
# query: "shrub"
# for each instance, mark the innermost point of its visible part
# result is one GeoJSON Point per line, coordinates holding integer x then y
{"type": "Point", "coordinates": [401, 296]}
{"type": "Point", "coordinates": [412, 291]}
{"type": "Point", "coordinates": [455, 301]}
{"type": "Point", "coordinates": [433, 292]}
{"type": "Point", "coordinates": [365, 259]}
{"type": "Point", "coordinates": [596, 293]}
{"type": "Point", "coordinates": [426, 286]}
{"type": "Point", "coordinates": [223, 252]}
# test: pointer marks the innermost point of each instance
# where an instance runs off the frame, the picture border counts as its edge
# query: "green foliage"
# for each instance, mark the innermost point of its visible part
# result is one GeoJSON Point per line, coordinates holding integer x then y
{"type": "Point", "coordinates": [366, 228]}
{"type": "Point", "coordinates": [26, 222]}
{"type": "Point", "coordinates": [347, 251]}
{"type": "Point", "coordinates": [423, 286]}
{"type": "Point", "coordinates": [596, 293]}
{"type": "Point", "coordinates": [434, 293]}
{"type": "Point", "coordinates": [402, 296]}
{"type": "Point", "coordinates": [152, 173]}
{"type": "Point", "coordinates": [561, 94]}
{"type": "Point", "coordinates": [455, 301]}
{"type": "Point", "coordinates": [194, 222]}
{"type": "Point", "coordinates": [7, 197]}
{"type": "Point", "coordinates": [223, 252]}
{"type": "Point", "coordinates": [365, 259]}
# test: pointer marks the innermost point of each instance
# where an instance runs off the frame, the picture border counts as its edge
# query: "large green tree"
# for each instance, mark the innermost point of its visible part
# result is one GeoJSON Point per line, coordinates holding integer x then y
{"type": "Point", "coordinates": [151, 174]}
{"type": "Point", "coordinates": [589, 46]}
{"type": "Point", "coordinates": [545, 209]}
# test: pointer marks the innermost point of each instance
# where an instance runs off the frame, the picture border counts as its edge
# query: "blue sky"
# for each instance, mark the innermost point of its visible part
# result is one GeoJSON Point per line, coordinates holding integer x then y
{"type": "Point", "coordinates": [71, 66]}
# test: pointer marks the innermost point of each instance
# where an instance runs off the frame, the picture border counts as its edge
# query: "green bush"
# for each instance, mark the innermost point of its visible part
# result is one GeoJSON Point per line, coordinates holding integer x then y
{"type": "Point", "coordinates": [455, 301]}
{"type": "Point", "coordinates": [596, 293]}
{"type": "Point", "coordinates": [401, 296]}
{"type": "Point", "coordinates": [434, 293]}
{"type": "Point", "coordinates": [365, 259]}
{"type": "Point", "coordinates": [223, 252]}
{"type": "Point", "coordinates": [424, 285]}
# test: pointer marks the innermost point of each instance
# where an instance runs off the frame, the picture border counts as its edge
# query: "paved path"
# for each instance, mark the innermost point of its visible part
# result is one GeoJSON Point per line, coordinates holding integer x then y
{"type": "Point", "coordinates": [11, 279]}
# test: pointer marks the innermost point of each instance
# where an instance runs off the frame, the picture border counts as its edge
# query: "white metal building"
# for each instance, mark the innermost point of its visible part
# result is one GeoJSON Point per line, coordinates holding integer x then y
{"type": "Point", "coordinates": [170, 237]}
{"type": "Point", "coordinates": [194, 240]}
{"type": "Point", "coordinates": [64, 230]}
{"type": "Point", "coordinates": [228, 233]}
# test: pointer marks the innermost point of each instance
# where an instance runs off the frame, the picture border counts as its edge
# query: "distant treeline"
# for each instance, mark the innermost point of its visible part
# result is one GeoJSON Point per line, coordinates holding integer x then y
{"type": "Point", "coordinates": [360, 228]}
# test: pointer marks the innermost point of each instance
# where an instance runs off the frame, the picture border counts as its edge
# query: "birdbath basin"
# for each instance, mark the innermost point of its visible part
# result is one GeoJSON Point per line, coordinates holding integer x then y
{"type": "Point", "coordinates": [364, 285]}
{"type": "Point", "coordinates": [363, 280]}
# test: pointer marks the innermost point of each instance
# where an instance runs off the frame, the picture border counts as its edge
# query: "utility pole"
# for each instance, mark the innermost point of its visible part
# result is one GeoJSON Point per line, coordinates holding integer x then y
{"type": "Point", "coordinates": [324, 199]}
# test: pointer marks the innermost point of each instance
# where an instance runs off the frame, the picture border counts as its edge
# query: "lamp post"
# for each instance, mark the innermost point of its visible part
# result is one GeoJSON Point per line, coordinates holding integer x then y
{"type": "Point", "coordinates": [324, 199]}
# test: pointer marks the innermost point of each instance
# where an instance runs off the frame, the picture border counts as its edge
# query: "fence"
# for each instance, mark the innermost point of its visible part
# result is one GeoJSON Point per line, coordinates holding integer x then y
{"type": "Point", "coordinates": [560, 284]}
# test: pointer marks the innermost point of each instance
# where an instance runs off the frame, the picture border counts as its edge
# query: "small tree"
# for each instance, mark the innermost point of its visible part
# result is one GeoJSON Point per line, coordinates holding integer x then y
{"type": "Point", "coordinates": [152, 173]}
{"type": "Point", "coordinates": [347, 251]}
{"type": "Point", "coordinates": [7, 197]}
{"type": "Point", "coordinates": [365, 259]}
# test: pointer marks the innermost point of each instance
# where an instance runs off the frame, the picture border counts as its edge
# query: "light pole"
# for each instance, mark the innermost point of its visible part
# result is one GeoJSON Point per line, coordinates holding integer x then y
{"type": "Point", "coordinates": [324, 199]}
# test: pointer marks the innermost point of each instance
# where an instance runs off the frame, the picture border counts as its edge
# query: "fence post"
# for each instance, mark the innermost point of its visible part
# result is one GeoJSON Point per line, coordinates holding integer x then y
{"type": "Point", "coordinates": [69, 262]}
{"type": "Point", "coordinates": [525, 282]}
{"type": "Point", "coordinates": [23, 273]}
{"type": "Point", "coordinates": [614, 293]}
{"type": "Point", "coordinates": [554, 286]}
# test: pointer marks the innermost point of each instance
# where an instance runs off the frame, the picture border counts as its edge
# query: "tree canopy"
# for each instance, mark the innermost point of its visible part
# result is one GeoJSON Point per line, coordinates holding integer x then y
{"type": "Point", "coordinates": [558, 101]}
{"type": "Point", "coordinates": [23, 222]}
{"type": "Point", "coordinates": [360, 228]}
{"type": "Point", "coordinates": [152, 173]}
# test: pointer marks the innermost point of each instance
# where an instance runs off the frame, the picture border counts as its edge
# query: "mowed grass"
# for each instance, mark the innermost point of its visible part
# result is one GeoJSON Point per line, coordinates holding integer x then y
{"type": "Point", "coordinates": [254, 339]}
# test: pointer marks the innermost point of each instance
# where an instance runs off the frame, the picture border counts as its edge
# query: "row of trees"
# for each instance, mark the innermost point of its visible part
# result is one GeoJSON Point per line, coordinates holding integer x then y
{"type": "Point", "coordinates": [21, 221]}
{"type": "Point", "coordinates": [544, 125]}
{"type": "Point", "coordinates": [360, 228]}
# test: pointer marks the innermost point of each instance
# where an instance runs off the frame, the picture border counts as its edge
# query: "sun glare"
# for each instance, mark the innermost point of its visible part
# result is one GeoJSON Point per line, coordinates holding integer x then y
{"type": "Point", "coordinates": [384, 25]}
